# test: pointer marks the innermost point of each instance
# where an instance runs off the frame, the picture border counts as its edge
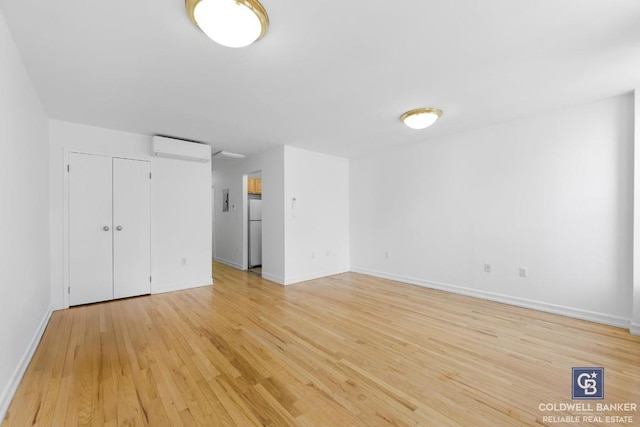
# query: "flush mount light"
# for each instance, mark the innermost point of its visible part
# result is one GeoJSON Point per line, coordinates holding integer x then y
{"type": "Point", "coordinates": [231, 23]}
{"type": "Point", "coordinates": [421, 118]}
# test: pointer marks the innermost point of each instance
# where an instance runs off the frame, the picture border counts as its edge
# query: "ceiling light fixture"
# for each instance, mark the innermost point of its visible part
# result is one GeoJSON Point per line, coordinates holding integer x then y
{"type": "Point", "coordinates": [421, 118]}
{"type": "Point", "coordinates": [227, 155]}
{"type": "Point", "coordinates": [231, 23]}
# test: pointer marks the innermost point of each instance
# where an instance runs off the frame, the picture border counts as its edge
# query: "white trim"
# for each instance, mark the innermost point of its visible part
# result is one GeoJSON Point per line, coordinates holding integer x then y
{"type": "Point", "coordinates": [229, 263]}
{"type": "Point", "coordinates": [313, 276]}
{"type": "Point", "coordinates": [181, 285]}
{"type": "Point", "coordinates": [65, 230]}
{"type": "Point", "coordinates": [273, 278]}
{"type": "Point", "coordinates": [577, 313]}
{"type": "Point", "coordinates": [244, 206]}
{"type": "Point", "coordinates": [635, 299]}
{"type": "Point", "coordinates": [18, 373]}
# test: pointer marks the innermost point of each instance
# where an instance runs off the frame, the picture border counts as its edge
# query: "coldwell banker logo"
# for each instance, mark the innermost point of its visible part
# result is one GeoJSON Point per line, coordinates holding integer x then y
{"type": "Point", "coordinates": [588, 383]}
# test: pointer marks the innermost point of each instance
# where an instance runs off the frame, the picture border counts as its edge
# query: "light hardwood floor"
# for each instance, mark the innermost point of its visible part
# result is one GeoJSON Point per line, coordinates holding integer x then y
{"type": "Point", "coordinates": [341, 351]}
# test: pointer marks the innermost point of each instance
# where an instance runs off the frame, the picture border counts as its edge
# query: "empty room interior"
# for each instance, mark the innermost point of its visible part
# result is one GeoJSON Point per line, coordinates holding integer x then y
{"type": "Point", "coordinates": [261, 212]}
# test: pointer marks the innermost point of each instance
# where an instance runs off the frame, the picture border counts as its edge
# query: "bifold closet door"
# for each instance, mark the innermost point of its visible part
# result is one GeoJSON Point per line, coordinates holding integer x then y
{"type": "Point", "coordinates": [90, 229]}
{"type": "Point", "coordinates": [109, 228]}
{"type": "Point", "coordinates": [131, 228]}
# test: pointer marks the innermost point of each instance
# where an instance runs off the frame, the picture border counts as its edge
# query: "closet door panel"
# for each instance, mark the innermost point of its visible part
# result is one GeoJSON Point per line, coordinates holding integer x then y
{"type": "Point", "coordinates": [132, 228]}
{"type": "Point", "coordinates": [90, 229]}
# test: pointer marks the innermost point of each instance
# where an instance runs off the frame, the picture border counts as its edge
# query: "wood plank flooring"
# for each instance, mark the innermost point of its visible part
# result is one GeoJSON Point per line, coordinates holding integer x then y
{"type": "Point", "coordinates": [341, 351]}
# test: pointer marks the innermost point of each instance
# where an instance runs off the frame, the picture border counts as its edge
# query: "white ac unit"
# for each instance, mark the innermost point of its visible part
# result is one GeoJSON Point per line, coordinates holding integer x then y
{"type": "Point", "coordinates": [162, 146]}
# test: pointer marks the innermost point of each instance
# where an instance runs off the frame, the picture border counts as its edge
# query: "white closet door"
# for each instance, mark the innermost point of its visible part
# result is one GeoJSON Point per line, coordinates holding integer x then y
{"type": "Point", "coordinates": [132, 228]}
{"type": "Point", "coordinates": [90, 225]}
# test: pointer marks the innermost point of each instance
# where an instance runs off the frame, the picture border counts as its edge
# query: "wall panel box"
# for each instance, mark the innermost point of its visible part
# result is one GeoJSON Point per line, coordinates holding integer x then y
{"type": "Point", "coordinates": [178, 149]}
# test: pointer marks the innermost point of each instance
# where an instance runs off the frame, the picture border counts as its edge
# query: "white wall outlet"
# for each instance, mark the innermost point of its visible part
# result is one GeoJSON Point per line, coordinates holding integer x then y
{"type": "Point", "coordinates": [523, 272]}
{"type": "Point", "coordinates": [487, 268]}
{"type": "Point", "coordinates": [387, 254]}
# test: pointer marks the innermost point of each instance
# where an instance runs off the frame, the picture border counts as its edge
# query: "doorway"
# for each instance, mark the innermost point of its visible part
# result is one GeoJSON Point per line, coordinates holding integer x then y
{"type": "Point", "coordinates": [254, 222]}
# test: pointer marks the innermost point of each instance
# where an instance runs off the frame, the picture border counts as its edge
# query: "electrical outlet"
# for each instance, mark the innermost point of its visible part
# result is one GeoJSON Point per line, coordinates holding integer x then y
{"type": "Point", "coordinates": [487, 268]}
{"type": "Point", "coordinates": [523, 272]}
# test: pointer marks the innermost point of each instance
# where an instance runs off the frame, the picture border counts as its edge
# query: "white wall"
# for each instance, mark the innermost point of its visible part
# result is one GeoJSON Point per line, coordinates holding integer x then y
{"type": "Point", "coordinates": [180, 206]}
{"type": "Point", "coordinates": [24, 218]}
{"type": "Point", "coordinates": [317, 229]}
{"type": "Point", "coordinates": [551, 193]}
{"type": "Point", "coordinates": [314, 243]}
{"type": "Point", "coordinates": [230, 232]}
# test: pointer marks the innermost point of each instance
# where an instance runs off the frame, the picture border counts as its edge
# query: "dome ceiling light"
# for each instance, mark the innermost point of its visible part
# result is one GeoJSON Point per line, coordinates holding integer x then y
{"type": "Point", "coordinates": [421, 118]}
{"type": "Point", "coordinates": [231, 23]}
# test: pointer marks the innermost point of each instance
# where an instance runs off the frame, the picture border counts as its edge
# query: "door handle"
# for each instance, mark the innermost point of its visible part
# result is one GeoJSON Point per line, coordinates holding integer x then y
{"type": "Point", "coordinates": [119, 228]}
{"type": "Point", "coordinates": [105, 228]}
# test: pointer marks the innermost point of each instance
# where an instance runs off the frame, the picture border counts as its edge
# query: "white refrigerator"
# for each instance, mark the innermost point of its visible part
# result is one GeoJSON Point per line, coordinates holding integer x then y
{"type": "Point", "coordinates": [255, 232]}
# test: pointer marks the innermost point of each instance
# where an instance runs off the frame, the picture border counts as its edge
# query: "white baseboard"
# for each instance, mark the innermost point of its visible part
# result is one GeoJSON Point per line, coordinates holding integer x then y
{"type": "Point", "coordinates": [635, 328]}
{"type": "Point", "coordinates": [18, 373]}
{"type": "Point", "coordinates": [160, 288]}
{"type": "Point", "coordinates": [313, 276]}
{"type": "Point", "coordinates": [229, 263]}
{"type": "Point", "coordinates": [577, 313]}
{"type": "Point", "coordinates": [273, 278]}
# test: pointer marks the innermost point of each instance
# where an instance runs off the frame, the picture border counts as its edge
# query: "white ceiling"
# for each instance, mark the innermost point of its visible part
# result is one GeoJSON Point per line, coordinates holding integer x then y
{"type": "Point", "coordinates": [329, 76]}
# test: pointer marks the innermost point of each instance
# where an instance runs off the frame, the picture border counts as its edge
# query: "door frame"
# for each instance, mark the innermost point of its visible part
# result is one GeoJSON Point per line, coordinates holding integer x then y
{"type": "Point", "coordinates": [65, 201]}
{"type": "Point", "coordinates": [245, 216]}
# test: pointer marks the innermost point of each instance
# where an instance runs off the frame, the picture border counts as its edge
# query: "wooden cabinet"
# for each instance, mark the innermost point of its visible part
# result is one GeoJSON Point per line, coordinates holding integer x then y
{"type": "Point", "coordinates": [254, 186]}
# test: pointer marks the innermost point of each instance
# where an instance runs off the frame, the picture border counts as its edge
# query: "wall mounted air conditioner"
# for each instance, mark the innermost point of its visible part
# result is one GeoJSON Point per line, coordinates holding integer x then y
{"type": "Point", "coordinates": [162, 146]}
